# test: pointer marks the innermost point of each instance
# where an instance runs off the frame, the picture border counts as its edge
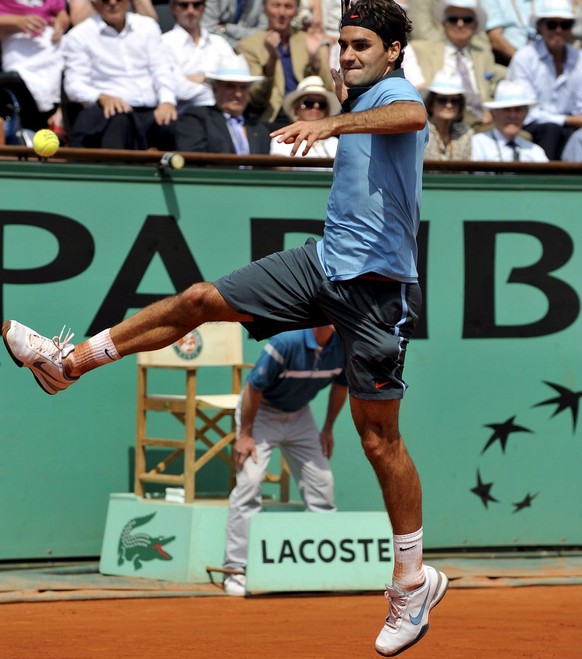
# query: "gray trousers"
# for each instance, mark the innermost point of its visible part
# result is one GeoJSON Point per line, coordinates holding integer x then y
{"type": "Point", "coordinates": [297, 435]}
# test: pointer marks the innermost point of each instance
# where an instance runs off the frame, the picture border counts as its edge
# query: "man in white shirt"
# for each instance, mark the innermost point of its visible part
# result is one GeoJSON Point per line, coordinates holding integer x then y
{"type": "Point", "coordinates": [461, 54]}
{"type": "Point", "coordinates": [504, 144]}
{"type": "Point", "coordinates": [552, 67]}
{"type": "Point", "coordinates": [118, 69]}
{"type": "Point", "coordinates": [195, 52]}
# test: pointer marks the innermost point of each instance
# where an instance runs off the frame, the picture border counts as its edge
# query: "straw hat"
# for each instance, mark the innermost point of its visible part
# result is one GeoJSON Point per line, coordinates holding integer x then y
{"type": "Point", "coordinates": [511, 94]}
{"type": "Point", "coordinates": [234, 69]}
{"type": "Point", "coordinates": [473, 5]}
{"type": "Point", "coordinates": [308, 86]}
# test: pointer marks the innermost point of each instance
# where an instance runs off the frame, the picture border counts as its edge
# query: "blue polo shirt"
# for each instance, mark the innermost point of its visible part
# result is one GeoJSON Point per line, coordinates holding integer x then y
{"type": "Point", "coordinates": [292, 369]}
{"type": "Point", "coordinates": [373, 210]}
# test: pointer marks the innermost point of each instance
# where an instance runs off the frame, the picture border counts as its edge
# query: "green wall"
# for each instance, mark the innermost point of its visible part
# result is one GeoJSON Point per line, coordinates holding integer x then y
{"type": "Point", "coordinates": [84, 245]}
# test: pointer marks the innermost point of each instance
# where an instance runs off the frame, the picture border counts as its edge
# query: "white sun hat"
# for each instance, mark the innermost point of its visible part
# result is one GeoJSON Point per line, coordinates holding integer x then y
{"type": "Point", "coordinates": [233, 69]}
{"type": "Point", "coordinates": [552, 9]}
{"type": "Point", "coordinates": [311, 85]}
{"type": "Point", "coordinates": [447, 84]}
{"type": "Point", "coordinates": [511, 94]}
{"type": "Point", "coordinates": [473, 5]}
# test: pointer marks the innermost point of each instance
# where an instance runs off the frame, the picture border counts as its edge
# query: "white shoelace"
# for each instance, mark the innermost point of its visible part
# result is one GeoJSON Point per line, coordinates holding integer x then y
{"type": "Point", "coordinates": [397, 603]}
{"type": "Point", "coordinates": [52, 348]}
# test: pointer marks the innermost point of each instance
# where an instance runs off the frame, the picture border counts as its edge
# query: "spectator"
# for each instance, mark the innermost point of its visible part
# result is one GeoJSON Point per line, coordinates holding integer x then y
{"type": "Point", "coordinates": [553, 70]}
{"type": "Point", "coordinates": [274, 411]}
{"type": "Point", "coordinates": [118, 69]}
{"type": "Point", "coordinates": [449, 137]}
{"type": "Point", "coordinates": [427, 26]}
{"type": "Point", "coordinates": [195, 53]}
{"type": "Point", "coordinates": [309, 102]}
{"type": "Point", "coordinates": [234, 19]}
{"type": "Point", "coordinates": [224, 128]}
{"type": "Point", "coordinates": [508, 26]}
{"type": "Point", "coordinates": [284, 56]}
{"type": "Point", "coordinates": [79, 10]}
{"type": "Point", "coordinates": [461, 20]}
{"type": "Point", "coordinates": [504, 143]}
{"type": "Point", "coordinates": [30, 36]}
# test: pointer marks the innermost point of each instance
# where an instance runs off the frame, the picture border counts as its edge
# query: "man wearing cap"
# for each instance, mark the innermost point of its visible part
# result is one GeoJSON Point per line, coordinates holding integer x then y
{"type": "Point", "coordinates": [552, 68]}
{"type": "Point", "coordinates": [195, 52]}
{"type": "Point", "coordinates": [474, 62]}
{"type": "Point", "coordinates": [504, 143]}
{"type": "Point", "coordinates": [283, 56]}
{"type": "Point", "coordinates": [274, 411]}
{"type": "Point", "coordinates": [223, 127]}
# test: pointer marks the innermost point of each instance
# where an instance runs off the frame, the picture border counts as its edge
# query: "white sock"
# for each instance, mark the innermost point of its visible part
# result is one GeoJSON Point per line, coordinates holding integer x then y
{"type": "Point", "coordinates": [96, 351]}
{"type": "Point", "coordinates": [408, 572]}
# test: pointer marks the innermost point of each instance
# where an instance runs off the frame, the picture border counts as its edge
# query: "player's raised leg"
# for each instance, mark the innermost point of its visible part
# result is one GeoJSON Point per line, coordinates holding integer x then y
{"type": "Point", "coordinates": [416, 588]}
{"type": "Point", "coordinates": [56, 363]}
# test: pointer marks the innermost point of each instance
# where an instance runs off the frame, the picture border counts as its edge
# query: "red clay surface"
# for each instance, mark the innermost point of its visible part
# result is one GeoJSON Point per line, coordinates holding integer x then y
{"type": "Point", "coordinates": [489, 623]}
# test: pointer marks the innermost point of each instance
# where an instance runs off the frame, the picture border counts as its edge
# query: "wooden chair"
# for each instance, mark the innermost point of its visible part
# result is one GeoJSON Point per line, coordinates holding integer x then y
{"type": "Point", "coordinates": [208, 419]}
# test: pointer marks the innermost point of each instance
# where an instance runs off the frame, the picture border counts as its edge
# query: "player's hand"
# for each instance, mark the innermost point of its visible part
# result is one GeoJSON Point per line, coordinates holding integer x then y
{"type": "Point", "coordinates": [165, 113]}
{"type": "Point", "coordinates": [327, 444]}
{"type": "Point", "coordinates": [341, 91]}
{"type": "Point", "coordinates": [244, 446]}
{"type": "Point", "coordinates": [304, 131]}
{"type": "Point", "coordinates": [113, 105]}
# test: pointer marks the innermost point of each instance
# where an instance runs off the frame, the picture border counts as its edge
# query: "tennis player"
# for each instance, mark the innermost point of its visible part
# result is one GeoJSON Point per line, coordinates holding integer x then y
{"type": "Point", "coordinates": [361, 277]}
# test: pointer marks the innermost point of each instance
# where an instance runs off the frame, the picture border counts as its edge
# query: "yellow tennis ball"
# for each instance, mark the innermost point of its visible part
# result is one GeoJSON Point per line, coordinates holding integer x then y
{"type": "Point", "coordinates": [45, 143]}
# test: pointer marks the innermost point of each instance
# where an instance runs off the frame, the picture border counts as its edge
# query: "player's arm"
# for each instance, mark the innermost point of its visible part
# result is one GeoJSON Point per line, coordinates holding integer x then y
{"type": "Point", "coordinates": [397, 117]}
{"type": "Point", "coordinates": [245, 442]}
{"type": "Point", "coordinates": [337, 398]}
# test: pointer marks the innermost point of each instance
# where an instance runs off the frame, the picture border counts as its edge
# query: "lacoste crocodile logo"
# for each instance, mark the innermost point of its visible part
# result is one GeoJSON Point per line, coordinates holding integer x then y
{"type": "Point", "coordinates": [415, 620]}
{"type": "Point", "coordinates": [139, 547]}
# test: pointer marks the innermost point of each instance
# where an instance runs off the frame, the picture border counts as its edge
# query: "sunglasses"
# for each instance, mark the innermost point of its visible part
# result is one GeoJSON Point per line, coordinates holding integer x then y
{"type": "Point", "coordinates": [565, 25]}
{"type": "Point", "coordinates": [467, 20]}
{"type": "Point", "coordinates": [194, 3]}
{"type": "Point", "coordinates": [447, 100]}
{"type": "Point", "coordinates": [310, 103]}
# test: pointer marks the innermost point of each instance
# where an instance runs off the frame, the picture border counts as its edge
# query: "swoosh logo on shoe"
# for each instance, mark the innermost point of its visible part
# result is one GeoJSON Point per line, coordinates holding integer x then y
{"type": "Point", "coordinates": [39, 366]}
{"type": "Point", "coordinates": [417, 618]}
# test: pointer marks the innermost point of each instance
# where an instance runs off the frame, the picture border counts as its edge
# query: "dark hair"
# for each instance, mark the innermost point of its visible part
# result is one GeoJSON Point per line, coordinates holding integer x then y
{"type": "Point", "coordinates": [384, 17]}
{"type": "Point", "coordinates": [430, 100]}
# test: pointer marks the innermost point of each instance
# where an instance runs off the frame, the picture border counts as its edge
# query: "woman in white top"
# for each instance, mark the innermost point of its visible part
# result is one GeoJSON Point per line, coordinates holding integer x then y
{"type": "Point", "coordinates": [309, 102]}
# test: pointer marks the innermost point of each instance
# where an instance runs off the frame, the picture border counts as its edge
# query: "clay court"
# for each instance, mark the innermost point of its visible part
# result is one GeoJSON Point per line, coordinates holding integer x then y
{"type": "Point", "coordinates": [481, 622]}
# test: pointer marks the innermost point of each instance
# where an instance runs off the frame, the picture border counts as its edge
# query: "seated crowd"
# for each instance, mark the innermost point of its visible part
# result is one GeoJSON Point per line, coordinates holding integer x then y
{"type": "Point", "coordinates": [501, 80]}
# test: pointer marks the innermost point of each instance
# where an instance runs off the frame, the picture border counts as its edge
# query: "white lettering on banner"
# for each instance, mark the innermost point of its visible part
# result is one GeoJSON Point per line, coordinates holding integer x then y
{"type": "Point", "coordinates": [346, 550]}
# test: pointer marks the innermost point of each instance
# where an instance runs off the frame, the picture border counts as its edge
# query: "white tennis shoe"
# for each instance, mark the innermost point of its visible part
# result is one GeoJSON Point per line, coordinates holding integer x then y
{"type": "Point", "coordinates": [235, 585]}
{"type": "Point", "coordinates": [407, 620]}
{"type": "Point", "coordinates": [44, 357]}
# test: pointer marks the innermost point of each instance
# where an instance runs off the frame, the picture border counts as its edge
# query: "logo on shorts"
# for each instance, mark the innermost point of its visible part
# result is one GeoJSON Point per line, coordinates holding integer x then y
{"type": "Point", "coordinates": [379, 385]}
{"type": "Point", "coordinates": [189, 346]}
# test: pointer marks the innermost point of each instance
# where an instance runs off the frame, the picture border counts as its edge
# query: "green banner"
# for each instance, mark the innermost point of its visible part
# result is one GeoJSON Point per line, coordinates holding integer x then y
{"type": "Point", "coordinates": [491, 416]}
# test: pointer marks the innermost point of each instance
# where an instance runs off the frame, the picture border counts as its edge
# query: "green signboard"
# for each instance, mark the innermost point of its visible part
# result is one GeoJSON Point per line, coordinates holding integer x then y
{"type": "Point", "coordinates": [491, 416]}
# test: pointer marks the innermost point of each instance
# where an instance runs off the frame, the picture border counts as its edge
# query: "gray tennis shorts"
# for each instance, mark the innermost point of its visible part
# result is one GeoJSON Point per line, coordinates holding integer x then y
{"type": "Point", "coordinates": [375, 319]}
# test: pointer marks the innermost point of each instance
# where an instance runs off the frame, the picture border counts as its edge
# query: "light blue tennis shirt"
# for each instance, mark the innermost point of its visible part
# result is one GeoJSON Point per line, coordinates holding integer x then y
{"type": "Point", "coordinates": [292, 369]}
{"type": "Point", "coordinates": [373, 210]}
